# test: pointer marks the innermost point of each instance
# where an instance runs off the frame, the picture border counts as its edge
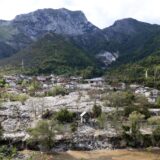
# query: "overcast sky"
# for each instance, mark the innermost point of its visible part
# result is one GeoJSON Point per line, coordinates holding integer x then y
{"type": "Point", "coordinates": [100, 12]}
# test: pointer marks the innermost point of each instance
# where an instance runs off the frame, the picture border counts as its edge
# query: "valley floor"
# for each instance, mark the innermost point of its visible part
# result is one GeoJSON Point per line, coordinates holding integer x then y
{"type": "Point", "coordinates": [100, 155]}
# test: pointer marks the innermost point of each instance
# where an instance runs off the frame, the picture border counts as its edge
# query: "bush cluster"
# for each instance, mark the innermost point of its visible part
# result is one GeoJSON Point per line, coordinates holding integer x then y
{"type": "Point", "coordinates": [57, 90]}
{"type": "Point", "coordinates": [14, 97]}
{"type": "Point", "coordinates": [65, 116]}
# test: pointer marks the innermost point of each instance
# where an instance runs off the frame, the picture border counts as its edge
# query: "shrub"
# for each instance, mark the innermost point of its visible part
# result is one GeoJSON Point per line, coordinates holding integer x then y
{"type": "Point", "coordinates": [141, 109]}
{"type": "Point", "coordinates": [14, 97]}
{"type": "Point", "coordinates": [125, 128]}
{"type": "Point", "coordinates": [73, 127]}
{"type": "Point", "coordinates": [65, 116]}
{"type": "Point", "coordinates": [131, 132]}
{"type": "Point", "coordinates": [97, 111]}
{"type": "Point", "coordinates": [156, 136]}
{"type": "Point", "coordinates": [155, 120]}
{"type": "Point", "coordinates": [7, 152]}
{"type": "Point", "coordinates": [47, 114]}
{"type": "Point", "coordinates": [1, 131]}
{"type": "Point", "coordinates": [33, 87]}
{"type": "Point", "coordinates": [22, 98]}
{"type": "Point", "coordinates": [129, 109]}
{"type": "Point", "coordinates": [2, 83]}
{"type": "Point", "coordinates": [57, 90]}
{"type": "Point", "coordinates": [101, 120]}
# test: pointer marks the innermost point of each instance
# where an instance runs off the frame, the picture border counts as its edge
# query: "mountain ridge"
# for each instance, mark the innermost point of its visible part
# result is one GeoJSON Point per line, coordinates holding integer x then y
{"type": "Point", "coordinates": [124, 40]}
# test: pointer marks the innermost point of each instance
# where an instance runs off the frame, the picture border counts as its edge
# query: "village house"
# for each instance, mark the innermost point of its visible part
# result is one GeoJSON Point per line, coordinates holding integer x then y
{"type": "Point", "coordinates": [45, 86]}
{"type": "Point", "coordinates": [84, 86]}
{"type": "Point", "coordinates": [41, 78]}
{"type": "Point", "coordinates": [134, 86]}
{"type": "Point", "coordinates": [108, 87]}
{"type": "Point", "coordinates": [141, 90]}
{"type": "Point", "coordinates": [85, 116]}
{"type": "Point", "coordinates": [62, 80]}
{"type": "Point", "coordinates": [155, 111]}
{"type": "Point", "coordinates": [154, 93]}
{"type": "Point", "coordinates": [53, 80]}
{"type": "Point", "coordinates": [75, 79]}
{"type": "Point", "coordinates": [149, 93]}
{"type": "Point", "coordinates": [119, 86]}
{"type": "Point", "coordinates": [99, 81]}
{"type": "Point", "coordinates": [71, 86]}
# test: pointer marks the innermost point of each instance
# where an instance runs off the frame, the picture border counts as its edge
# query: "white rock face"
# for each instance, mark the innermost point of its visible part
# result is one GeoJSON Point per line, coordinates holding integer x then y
{"type": "Point", "coordinates": [108, 57]}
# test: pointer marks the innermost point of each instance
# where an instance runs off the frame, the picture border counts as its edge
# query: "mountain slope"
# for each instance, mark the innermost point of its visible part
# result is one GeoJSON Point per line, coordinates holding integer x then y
{"type": "Point", "coordinates": [27, 28]}
{"type": "Point", "coordinates": [131, 37]}
{"type": "Point", "coordinates": [125, 29]}
{"type": "Point", "coordinates": [135, 71]}
{"type": "Point", "coordinates": [52, 53]}
{"type": "Point", "coordinates": [27, 37]}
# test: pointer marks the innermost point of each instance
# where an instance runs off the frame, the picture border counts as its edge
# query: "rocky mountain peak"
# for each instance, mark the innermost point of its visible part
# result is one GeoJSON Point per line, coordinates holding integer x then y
{"type": "Point", "coordinates": [128, 26]}
{"type": "Point", "coordinates": [41, 13]}
{"type": "Point", "coordinates": [129, 21]}
{"type": "Point", "coordinates": [61, 21]}
{"type": "Point", "coordinates": [124, 29]}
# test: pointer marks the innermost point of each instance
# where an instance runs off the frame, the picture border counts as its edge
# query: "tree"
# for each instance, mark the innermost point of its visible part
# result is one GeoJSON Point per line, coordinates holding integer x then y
{"type": "Point", "coordinates": [57, 90]}
{"type": "Point", "coordinates": [24, 83]}
{"type": "Point", "coordinates": [65, 116]}
{"type": "Point", "coordinates": [101, 120]}
{"type": "Point", "coordinates": [156, 136]}
{"type": "Point", "coordinates": [97, 110]}
{"type": "Point", "coordinates": [33, 87]}
{"type": "Point", "coordinates": [154, 120]}
{"type": "Point", "coordinates": [134, 119]}
{"type": "Point", "coordinates": [44, 133]}
{"type": "Point", "coordinates": [73, 127]}
{"type": "Point", "coordinates": [1, 131]}
{"type": "Point", "coordinates": [158, 102]}
{"type": "Point", "coordinates": [22, 98]}
{"type": "Point", "coordinates": [139, 108]}
{"type": "Point", "coordinates": [2, 83]}
{"type": "Point", "coordinates": [7, 152]}
{"type": "Point", "coordinates": [117, 100]}
{"type": "Point", "coordinates": [88, 72]}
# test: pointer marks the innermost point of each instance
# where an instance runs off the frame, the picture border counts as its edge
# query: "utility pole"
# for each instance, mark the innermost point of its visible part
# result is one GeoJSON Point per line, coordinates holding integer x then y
{"type": "Point", "coordinates": [146, 74]}
{"type": "Point", "coordinates": [155, 74]}
{"type": "Point", "coordinates": [22, 64]}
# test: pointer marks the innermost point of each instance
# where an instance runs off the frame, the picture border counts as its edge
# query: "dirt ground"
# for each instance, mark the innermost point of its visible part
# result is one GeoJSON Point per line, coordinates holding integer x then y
{"type": "Point", "coordinates": [101, 155]}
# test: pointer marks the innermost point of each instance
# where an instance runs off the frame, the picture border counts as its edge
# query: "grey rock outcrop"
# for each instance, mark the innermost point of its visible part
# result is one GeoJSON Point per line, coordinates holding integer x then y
{"type": "Point", "coordinates": [60, 21]}
{"type": "Point", "coordinates": [27, 28]}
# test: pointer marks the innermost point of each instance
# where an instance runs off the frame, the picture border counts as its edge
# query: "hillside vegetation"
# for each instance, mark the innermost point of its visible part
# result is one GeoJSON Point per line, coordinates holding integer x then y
{"type": "Point", "coordinates": [144, 67]}
{"type": "Point", "coordinates": [52, 53]}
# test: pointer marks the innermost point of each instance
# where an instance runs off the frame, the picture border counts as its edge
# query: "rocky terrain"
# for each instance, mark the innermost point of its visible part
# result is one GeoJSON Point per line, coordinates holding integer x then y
{"type": "Point", "coordinates": [17, 117]}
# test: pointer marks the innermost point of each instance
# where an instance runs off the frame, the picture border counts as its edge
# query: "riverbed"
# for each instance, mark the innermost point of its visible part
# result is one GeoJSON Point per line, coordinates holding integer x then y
{"type": "Point", "coordinates": [99, 155]}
